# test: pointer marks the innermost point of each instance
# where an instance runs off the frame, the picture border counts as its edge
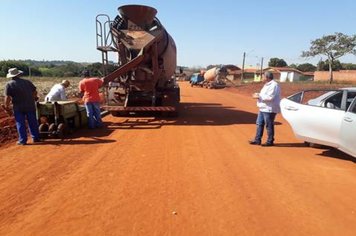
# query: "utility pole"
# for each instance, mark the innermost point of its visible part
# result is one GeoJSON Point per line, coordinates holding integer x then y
{"type": "Point", "coordinates": [261, 68]}
{"type": "Point", "coordinates": [243, 67]}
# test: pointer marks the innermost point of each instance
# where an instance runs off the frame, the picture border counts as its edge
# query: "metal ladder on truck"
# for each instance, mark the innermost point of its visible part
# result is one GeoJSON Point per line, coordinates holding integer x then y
{"type": "Point", "coordinates": [104, 39]}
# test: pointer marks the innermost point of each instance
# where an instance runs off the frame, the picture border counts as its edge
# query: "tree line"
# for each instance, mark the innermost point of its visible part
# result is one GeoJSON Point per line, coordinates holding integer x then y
{"type": "Point", "coordinates": [308, 67]}
{"type": "Point", "coordinates": [74, 69]}
{"type": "Point", "coordinates": [331, 46]}
{"type": "Point", "coordinates": [53, 68]}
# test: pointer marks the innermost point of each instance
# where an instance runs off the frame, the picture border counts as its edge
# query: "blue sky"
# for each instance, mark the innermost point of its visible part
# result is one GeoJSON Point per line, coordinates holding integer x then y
{"type": "Point", "coordinates": [205, 32]}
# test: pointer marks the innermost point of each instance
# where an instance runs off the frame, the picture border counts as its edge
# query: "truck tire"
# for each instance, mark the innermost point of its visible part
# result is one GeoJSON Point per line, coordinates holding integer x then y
{"type": "Point", "coordinates": [52, 129]}
{"type": "Point", "coordinates": [61, 130]}
{"type": "Point", "coordinates": [43, 128]}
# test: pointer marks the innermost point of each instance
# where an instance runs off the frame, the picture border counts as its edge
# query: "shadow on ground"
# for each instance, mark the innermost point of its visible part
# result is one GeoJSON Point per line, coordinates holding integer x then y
{"type": "Point", "coordinates": [209, 114]}
{"type": "Point", "coordinates": [301, 145]}
{"type": "Point", "coordinates": [325, 151]}
{"type": "Point", "coordinates": [335, 153]}
{"type": "Point", "coordinates": [92, 136]}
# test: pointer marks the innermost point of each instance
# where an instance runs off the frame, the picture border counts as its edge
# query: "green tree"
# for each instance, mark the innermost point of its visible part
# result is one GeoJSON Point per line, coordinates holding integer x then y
{"type": "Point", "coordinates": [95, 69]}
{"type": "Point", "coordinates": [306, 67]}
{"type": "Point", "coordinates": [324, 65]}
{"type": "Point", "coordinates": [333, 46]}
{"type": "Point", "coordinates": [6, 65]}
{"type": "Point", "coordinates": [35, 71]}
{"type": "Point", "coordinates": [348, 66]}
{"type": "Point", "coordinates": [277, 62]}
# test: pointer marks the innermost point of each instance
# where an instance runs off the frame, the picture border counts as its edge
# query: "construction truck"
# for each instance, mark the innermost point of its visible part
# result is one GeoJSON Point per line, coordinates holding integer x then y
{"type": "Point", "coordinates": [146, 58]}
{"type": "Point", "coordinates": [215, 78]}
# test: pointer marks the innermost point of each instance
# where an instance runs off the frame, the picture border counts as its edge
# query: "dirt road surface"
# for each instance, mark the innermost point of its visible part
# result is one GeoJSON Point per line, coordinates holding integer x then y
{"type": "Point", "coordinates": [194, 175]}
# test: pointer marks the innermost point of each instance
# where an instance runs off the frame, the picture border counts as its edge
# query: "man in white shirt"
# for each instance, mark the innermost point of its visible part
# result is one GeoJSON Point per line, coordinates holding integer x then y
{"type": "Point", "coordinates": [268, 104]}
{"type": "Point", "coordinates": [57, 92]}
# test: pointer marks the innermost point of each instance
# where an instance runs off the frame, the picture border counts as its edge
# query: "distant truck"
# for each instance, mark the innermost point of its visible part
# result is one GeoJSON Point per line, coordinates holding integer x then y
{"type": "Point", "coordinates": [215, 78]}
{"type": "Point", "coordinates": [196, 80]}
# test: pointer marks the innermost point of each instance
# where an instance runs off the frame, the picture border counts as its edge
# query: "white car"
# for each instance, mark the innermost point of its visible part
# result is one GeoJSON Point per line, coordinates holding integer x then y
{"type": "Point", "coordinates": [326, 117]}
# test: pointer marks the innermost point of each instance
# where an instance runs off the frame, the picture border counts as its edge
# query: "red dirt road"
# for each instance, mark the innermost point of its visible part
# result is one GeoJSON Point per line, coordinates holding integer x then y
{"type": "Point", "coordinates": [194, 175]}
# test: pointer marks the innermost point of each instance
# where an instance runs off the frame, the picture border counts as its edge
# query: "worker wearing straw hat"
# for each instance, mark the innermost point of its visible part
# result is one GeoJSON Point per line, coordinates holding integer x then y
{"type": "Point", "coordinates": [22, 94]}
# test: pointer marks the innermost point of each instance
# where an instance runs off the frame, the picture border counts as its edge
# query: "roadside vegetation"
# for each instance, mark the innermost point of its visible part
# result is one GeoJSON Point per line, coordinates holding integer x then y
{"type": "Point", "coordinates": [53, 68]}
{"type": "Point", "coordinates": [44, 84]}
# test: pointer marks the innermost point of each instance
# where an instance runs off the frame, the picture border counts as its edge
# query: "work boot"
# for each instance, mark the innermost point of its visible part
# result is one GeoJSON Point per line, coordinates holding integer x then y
{"type": "Point", "coordinates": [254, 142]}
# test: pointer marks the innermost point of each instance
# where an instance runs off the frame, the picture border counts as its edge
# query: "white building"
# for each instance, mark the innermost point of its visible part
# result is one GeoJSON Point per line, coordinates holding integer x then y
{"type": "Point", "coordinates": [285, 74]}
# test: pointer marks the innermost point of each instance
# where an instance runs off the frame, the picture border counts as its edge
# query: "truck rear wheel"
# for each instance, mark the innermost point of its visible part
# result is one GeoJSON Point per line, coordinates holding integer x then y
{"type": "Point", "coordinates": [61, 130]}
{"type": "Point", "coordinates": [43, 128]}
{"type": "Point", "coordinates": [52, 129]}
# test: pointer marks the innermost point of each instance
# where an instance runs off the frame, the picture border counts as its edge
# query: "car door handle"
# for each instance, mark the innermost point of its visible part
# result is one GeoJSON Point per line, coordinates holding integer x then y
{"type": "Point", "coordinates": [290, 108]}
{"type": "Point", "coordinates": [348, 119]}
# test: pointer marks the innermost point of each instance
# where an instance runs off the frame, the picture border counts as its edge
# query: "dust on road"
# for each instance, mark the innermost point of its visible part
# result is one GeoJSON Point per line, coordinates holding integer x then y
{"type": "Point", "coordinates": [194, 175]}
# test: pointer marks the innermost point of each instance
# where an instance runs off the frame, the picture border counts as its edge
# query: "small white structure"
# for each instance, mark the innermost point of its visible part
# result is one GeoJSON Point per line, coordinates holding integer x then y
{"type": "Point", "coordinates": [289, 75]}
{"type": "Point", "coordinates": [286, 74]}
